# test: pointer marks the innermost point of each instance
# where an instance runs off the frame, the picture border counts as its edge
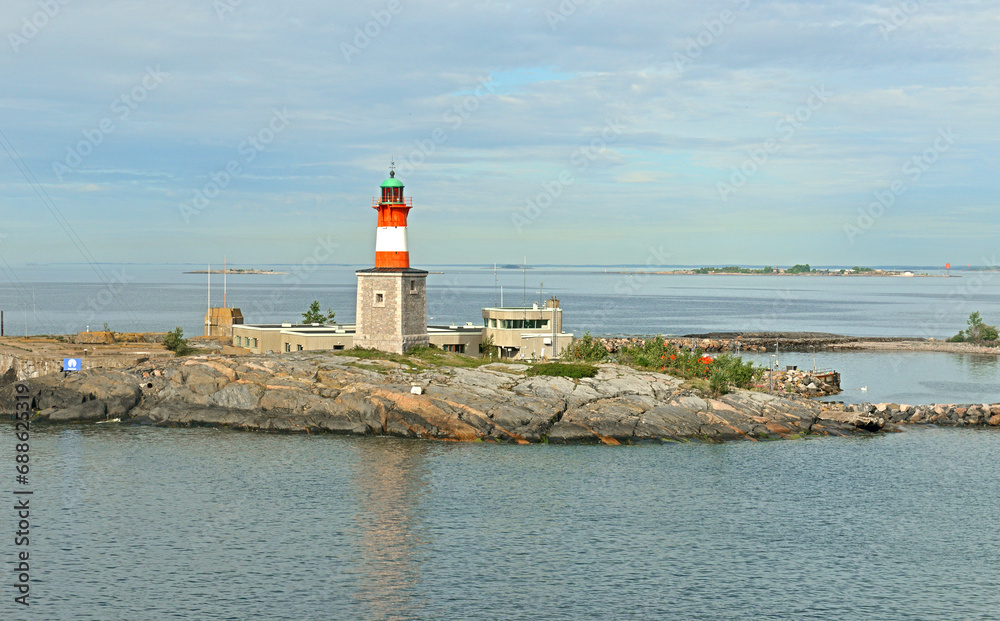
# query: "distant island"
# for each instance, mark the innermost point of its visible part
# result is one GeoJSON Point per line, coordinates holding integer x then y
{"type": "Point", "coordinates": [236, 271]}
{"type": "Point", "coordinates": [798, 269]}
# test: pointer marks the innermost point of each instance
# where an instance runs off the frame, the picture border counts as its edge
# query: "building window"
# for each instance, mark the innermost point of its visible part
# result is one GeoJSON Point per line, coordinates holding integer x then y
{"type": "Point", "coordinates": [255, 343]}
{"type": "Point", "coordinates": [288, 347]}
{"type": "Point", "coordinates": [413, 286]}
{"type": "Point", "coordinates": [236, 341]}
{"type": "Point", "coordinates": [298, 348]}
{"type": "Point", "coordinates": [338, 347]}
{"type": "Point", "coordinates": [380, 298]}
{"type": "Point", "coordinates": [523, 324]}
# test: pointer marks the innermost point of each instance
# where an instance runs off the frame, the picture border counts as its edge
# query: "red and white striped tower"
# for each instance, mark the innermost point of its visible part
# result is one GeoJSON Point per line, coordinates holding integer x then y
{"type": "Point", "coordinates": [391, 250]}
{"type": "Point", "coordinates": [392, 296]}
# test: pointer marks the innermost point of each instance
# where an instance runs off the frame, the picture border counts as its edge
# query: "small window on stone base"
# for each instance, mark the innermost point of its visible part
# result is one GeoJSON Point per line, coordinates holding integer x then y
{"type": "Point", "coordinates": [413, 286]}
{"type": "Point", "coordinates": [379, 298]}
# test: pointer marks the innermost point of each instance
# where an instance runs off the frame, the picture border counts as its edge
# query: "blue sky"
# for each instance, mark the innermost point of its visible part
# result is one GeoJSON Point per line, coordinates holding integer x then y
{"type": "Point", "coordinates": [580, 131]}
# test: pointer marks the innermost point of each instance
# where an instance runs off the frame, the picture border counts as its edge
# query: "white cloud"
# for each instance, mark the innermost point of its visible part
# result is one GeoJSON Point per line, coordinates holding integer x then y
{"type": "Point", "coordinates": [552, 91]}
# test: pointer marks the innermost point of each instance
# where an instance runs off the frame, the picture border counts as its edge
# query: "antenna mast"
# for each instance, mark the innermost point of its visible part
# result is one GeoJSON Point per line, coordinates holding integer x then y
{"type": "Point", "coordinates": [225, 272]}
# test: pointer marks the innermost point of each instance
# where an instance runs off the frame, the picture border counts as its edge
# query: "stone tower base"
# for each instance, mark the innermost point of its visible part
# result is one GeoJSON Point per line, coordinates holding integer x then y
{"type": "Point", "coordinates": [392, 309]}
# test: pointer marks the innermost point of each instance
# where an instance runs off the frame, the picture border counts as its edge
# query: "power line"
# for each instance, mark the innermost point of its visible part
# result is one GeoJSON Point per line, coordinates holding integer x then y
{"type": "Point", "coordinates": [22, 290]}
{"type": "Point", "coordinates": [64, 224]}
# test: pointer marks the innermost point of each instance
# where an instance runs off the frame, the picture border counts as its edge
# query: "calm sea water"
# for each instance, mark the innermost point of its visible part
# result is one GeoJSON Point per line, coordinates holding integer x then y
{"type": "Point", "coordinates": [67, 299]}
{"type": "Point", "coordinates": [141, 523]}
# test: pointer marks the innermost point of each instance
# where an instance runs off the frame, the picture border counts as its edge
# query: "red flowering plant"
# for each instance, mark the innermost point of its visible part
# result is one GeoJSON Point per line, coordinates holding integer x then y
{"type": "Point", "coordinates": [723, 372]}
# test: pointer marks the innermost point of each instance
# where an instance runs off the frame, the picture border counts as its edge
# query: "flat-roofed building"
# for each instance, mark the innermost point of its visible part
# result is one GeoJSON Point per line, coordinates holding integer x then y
{"type": "Point", "coordinates": [288, 338]}
{"type": "Point", "coordinates": [526, 332]}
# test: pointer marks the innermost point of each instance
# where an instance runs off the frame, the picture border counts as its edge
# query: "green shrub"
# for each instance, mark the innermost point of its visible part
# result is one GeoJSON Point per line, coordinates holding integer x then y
{"type": "Point", "coordinates": [727, 371]}
{"type": "Point", "coordinates": [722, 373]}
{"type": "Point", "coordinates": [587, 348]}
{"type": "Point", "coordinates": [563, 369]}
{"type": "Point", "coordinates": [175, 342]}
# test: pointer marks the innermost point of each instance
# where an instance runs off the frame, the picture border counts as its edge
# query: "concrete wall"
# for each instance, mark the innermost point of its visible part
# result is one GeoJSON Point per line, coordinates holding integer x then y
{"type": "Point", "coordinates": [469, 338]}
{"type": "Point", "coordinates": [314, 342]}
{"type": "Point", "coordinates": [268, 339]}
{"type": "Point", "coordinates": [26, 366]}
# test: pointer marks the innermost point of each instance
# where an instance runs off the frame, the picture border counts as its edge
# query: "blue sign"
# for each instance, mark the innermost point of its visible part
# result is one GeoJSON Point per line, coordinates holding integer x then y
{"type": "Point", "coordinates": [71, 364]}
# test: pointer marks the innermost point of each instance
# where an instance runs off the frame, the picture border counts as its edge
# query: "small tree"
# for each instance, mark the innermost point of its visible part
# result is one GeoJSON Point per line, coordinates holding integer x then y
{"type": "Point", "coordinates": [977, 330]}
{"type": "Point", "coordinates": [175, 342]}
{"type": "Point", "coordinates": [315, 315]}
{"type": "Point", "coordinates": [487, 346]}
{"type": "Point", "coordinates": [975, 326]}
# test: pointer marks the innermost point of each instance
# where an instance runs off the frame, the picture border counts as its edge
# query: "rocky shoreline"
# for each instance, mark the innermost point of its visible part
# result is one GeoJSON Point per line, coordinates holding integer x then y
{"type": "Point", "coordinates": [317, 392]}
{"type": "Point", "coordinates": [324, 393]}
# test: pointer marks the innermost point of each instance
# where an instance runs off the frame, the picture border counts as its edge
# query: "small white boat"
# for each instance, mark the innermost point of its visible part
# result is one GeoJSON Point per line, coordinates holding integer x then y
{"type": "Point", "coordinates": [110, 420]}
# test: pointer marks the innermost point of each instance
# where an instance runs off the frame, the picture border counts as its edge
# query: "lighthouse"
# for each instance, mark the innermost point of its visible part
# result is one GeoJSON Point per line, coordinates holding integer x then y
{"type": "Point", "coordinates": [391, 250]}
{"type": "Point", "coordinates": [392, 296]}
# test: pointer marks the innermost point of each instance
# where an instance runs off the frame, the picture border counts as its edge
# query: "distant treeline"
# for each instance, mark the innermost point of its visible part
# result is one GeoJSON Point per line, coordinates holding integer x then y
{"type": "Point", "coordinates": [799, 268]}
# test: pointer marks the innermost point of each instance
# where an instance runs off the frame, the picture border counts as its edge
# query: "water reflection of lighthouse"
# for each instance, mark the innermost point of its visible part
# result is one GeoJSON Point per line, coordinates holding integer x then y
{"type": "Point", "coordinates": [391, 483]}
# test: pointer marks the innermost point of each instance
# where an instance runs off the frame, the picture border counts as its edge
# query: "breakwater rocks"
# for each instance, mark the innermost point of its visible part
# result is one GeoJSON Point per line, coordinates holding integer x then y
{"type": "Point", "coordinates": [317, 392]}
{"type": "Point", "coordinates": [615, 344]}
{"type": "Point", "coordinates": [951, 414]}
{"type": "Point", "coordinates": [807, 383]}
{"type": "Point", "coordinates": [765, 341]}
